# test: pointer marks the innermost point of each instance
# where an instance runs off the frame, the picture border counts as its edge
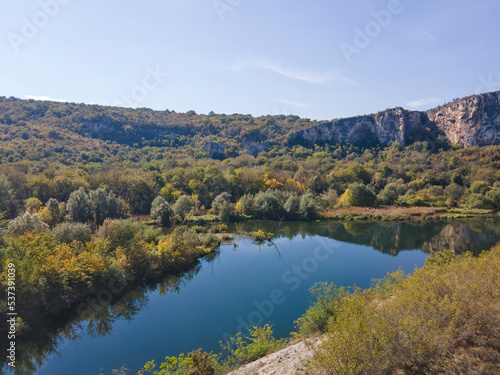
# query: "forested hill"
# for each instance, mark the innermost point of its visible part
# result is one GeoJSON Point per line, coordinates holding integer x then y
{"type": "Point", "coordinates": [35, 130]}
{"type": "Point", "coordinates": [49, 150]}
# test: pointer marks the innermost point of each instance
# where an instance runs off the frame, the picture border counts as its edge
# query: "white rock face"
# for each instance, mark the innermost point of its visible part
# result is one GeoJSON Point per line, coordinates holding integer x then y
{"type": "Point", "coordinates": [470, 121]}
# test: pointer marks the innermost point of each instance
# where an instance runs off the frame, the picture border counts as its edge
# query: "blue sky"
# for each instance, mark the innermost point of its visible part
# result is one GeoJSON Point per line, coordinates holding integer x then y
{"type": "Point", "coordinates": [320, 59]}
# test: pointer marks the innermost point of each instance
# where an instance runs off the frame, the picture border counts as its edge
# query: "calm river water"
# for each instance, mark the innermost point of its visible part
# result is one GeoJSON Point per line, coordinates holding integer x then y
{"type": "Point", "coordinates": [245, 284]}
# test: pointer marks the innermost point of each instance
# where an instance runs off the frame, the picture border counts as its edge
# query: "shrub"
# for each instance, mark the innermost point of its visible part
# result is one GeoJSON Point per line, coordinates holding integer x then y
{"type": "Point", "coordinates": [327, 301]}
{"type": "Point", "coordinates": [328, 200]}
{"type": "Point", "coordinates": [478, 201]}
{"type": "Point", "coordinates": [69, 232]}
{"type": "Point", "coordinates": [260, 343]}
{"type": "Point", "coordinates": [357, 195]}
{"type": "Point", "coordinates": [119, 232]}
{"type": "Point", "coordinates": [479, 187]}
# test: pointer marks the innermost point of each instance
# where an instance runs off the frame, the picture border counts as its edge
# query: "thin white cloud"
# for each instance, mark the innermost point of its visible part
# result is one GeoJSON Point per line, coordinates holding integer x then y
{"type": "Point", "coordinates": [320, 78]}
{"type": "Point", "coordinates": [44, 98]}
{"type": "Point", "coordinates": [422, 102]}
{"type": "Point", "coordinates": [292, 103]}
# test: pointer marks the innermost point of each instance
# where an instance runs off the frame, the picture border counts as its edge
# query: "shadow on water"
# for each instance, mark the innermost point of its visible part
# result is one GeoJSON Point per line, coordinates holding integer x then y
{"type": "Point", "coordinates": [47, 341]}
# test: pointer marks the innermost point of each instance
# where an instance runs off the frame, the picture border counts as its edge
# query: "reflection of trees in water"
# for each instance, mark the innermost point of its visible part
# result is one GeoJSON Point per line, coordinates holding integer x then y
{"type": "Point", "coordinates": [391, 238]}
{"type": "Point", "coordinates": [97, 320]}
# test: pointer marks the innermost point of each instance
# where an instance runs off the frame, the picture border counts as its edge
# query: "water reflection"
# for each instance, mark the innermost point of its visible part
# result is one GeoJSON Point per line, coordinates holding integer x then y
{"type": "Point", "coordinates": [49, 340]}
{"type": "Point", "coordinates": [391, 238]}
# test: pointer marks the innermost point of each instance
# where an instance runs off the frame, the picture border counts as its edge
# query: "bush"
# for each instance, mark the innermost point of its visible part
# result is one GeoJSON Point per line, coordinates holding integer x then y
{"type": "Point", "coordinates": [328, 200]}
{"type": "Point", "coordinates": [478, 201]}
{"type": "Point", "coordinates": [69, 232]}
{"type": "Point", "coordinates": [26, 223]}
{"type": "Point", "coordinates": [357, 195]}
{"type": "Point", "coordinates": [479, 187]}
{"type": "Point", "coordinates": [260, 343]}
{"type": "Point", "coordinates": [119, 232]}
{"type": "Point", "coordinates": [327, 301]}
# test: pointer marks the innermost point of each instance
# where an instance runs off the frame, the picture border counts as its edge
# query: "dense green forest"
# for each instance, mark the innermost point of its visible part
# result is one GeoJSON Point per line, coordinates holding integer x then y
{"type": "Point", "coordinates": [81, 187]}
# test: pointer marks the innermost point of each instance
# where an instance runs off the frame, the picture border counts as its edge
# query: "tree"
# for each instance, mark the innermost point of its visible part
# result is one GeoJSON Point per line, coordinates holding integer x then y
{"type": "Point", "coordinates": [328, 199]}
{"type": "Point", "coordinates": [267, 204]}
{"type": "Point", "coordinates": [6, 201]}
{"type": "Point", "coordinates": [357, 195]}
{"type": "Point", "coordinates": [292, 205]}
{"type": "Point", "coordinates": [161, 210]}
{"type": "Point", "coordinates": [99, 205]}
{"type": "Point", "coordinates": [245, 205]}
{"type": "Point", "coordinates": [69, 232]}
{"type": "Point", "coordinates": [308, 205]}
{"type": "Point", "coordinates": [494, 196]}
{"type": "Point", "coordinates": [389, 195]}
{"type": "Point", "coordinates": [79, 206]}
{"type": "Point", "coordinates": [478, 201]}
{"type": "Point", "coordinates": [222, 206]}
{"type": "Point", "coordinates": [33, 205]}
{"type": "Point", "coordinates": [25, 223]}
{"type": "Point", "coordinates": [182, 206]}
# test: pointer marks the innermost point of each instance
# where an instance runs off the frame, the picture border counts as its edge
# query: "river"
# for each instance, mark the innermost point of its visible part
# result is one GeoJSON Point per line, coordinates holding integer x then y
{"type": "Point", "coordinates": [244, 284]}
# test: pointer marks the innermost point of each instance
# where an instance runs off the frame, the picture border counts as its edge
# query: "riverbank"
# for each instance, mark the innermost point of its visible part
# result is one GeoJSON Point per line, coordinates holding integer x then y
{"type": "Point", "coordinates": [396, 213]}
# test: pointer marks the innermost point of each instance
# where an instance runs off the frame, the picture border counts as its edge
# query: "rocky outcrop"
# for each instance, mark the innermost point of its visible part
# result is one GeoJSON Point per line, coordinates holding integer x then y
{"type": "Point", "coordinates": [386, 127]}
{"type": "Point", "coordinates": [254, 148]}
{"type": "Point", "coordinates": [470, 121]}
{"type": "Point", "coordinates": [214, 148]}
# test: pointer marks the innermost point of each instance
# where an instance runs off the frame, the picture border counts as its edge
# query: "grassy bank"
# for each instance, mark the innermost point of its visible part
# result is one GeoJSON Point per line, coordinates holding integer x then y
{"type": "Point", "coordinates": [395, 213]}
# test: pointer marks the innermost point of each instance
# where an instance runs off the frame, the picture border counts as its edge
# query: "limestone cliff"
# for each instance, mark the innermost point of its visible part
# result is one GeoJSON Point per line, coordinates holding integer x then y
{"type": "Point", "coordinates": [470, 121]}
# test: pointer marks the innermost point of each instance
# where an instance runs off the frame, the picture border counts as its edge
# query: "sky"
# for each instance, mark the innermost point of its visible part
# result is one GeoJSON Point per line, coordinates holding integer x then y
{"type": "Point", "coordinates": [318, 59]}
